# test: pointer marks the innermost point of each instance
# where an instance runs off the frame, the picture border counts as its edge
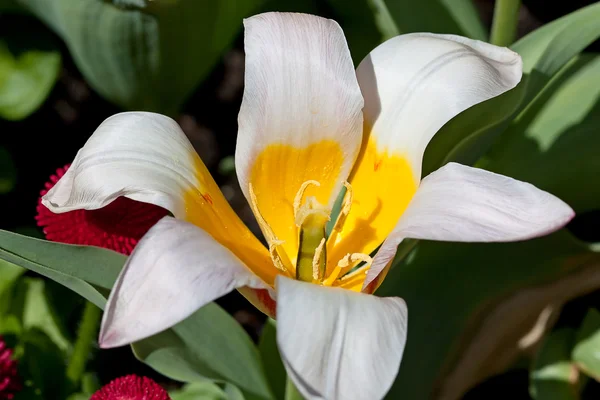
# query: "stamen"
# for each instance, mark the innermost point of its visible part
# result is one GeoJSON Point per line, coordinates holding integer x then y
{"type": "Point", "coordinates": [344, 263]}
{"type": "Point", "coordinates": [260, 219]}
{"type": "Point", "coordinates": [280, 259]}
{"type": "Point", "coordinates": [299, 194]}
{"type": "Point", "coordinates": [317, 259]}
{"type": "Point", "coordinates": [277, 261]}
{"type": "Point", "coordinates": [362, 270]}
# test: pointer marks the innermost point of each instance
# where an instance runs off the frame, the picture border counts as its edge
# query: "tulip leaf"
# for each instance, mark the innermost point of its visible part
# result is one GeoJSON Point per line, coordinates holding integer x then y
{"type": "Point", "coordinates": [209, 344]}
{"type": "Point", "coordinates": [545, 51]}
{"type": "Point", "coordinates": [269, 353]}
{"type": "Point", "coordinates": [37, 312]}
{"type": "Point", "coordinates": [145, 55]}
{"type": "Point", "coordinates": [83, 269]}
{"type": "Point", "coordinates": [29, 65]}
{"type": "Point", "coordinates": [554, 377]}
{"type": "Point", "coordinates": [199, 390]}
{"type": "Point", "coordinates": [554, 143]}
{"type": "Point", "coordinates": [206, 345]}
{"type": "Point", "coordinates": [586, 353]}
{"type": "Point", "coordinates": [368, 23]}
{"type": "Point", "coordinates": [451, 288]}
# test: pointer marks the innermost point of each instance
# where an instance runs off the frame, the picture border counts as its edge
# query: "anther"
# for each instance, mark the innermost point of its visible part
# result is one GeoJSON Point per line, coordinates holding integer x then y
{"type": "Point", "coordinates": [280, 259]}
{"type": "Point", "coordinates": [316, 264]}
{"type": "Point", "coordinates": [276, 258]}
{"type": "Point", "coordinates": [299, 194]}
{"type": "Point", "coordinates": [363, 269]}
{"type": "Point", "coordinates": [345, 263]}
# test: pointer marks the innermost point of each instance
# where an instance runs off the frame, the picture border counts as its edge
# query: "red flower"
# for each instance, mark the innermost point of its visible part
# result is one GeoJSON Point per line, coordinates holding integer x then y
{"type": "Point", "coordinates": [118, 226]}
{"type": "Point", "coordinates": [131, 387]}
{"type": "Point", "coordinates": [9, 381]}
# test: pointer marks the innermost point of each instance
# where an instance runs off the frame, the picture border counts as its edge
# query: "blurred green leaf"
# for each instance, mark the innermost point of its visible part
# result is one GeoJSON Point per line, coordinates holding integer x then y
{"type": "Point", "coordinates": [42, 364]}
{"type": "Point", "coordinates": [586, 353]}
{"type": "Point", "coordinates": [199, 390]}
{"type": "Point", "coordinates": [80, 396]}
{"type": "Point", "coordinates": [38, 314]}
{"type": "Point", "coordinates": [368, 23]}
{"type": "Point", "coordinates": [269, 353]}
{"type": "Point", "coordinates": [29, 66]}
{"type": "Point", "coordinates": [8, 172]}
{"type": "Point", "coordinates": [553, 376]}
{"type": "Point", "coordinates": [450, 288]}
{"type": "Point", "coordinates": [555, 142]}
{"type": "Point", "coordinates": [209, 344]}
{"type": "Point", "coordinates": [9, 273]}
{"type": "Point", "coordinates": [145, 58]}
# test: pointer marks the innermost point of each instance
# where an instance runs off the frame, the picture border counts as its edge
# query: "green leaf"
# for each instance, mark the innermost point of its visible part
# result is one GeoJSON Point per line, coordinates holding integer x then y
{"type": "Point", "coordinates": [269, 353]}
{"type": "Point", "coordinates": [29, 66]}
{"type": "Point", "coordinates": [545, 51]}
{"type": "Point", "coordinates": [42, 363]}
{"type": "Point", "coordinates": [8, 172]}
{"type": "Point", "coordinates": [209, 344]}
{"type": "Point", "coordinates": [553, 376]}
{"type": "Point", "coordinates": [466, 137]}
{"type": "Point", "coordinates": [38, 313]}
{"type": "Point", "coordinates": [452, 288]}
{"type": "Point", "coordinates": [9, 273]}
{"type": "Point", "coordinates": [368, 23]}
{"type": "Point", "coordinates": [199, 390]}
{"type": "Point", "coordinates": [83, 269]}
{"type": "Point", "coordinates": [150, 57]}
{"type": "Point", "coordinates": [586, 353]}
{"type": "Point", "coordinates": [554, 143]}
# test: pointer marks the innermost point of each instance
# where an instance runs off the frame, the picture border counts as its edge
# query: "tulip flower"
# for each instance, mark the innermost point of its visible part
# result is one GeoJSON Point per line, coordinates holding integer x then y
{"type": "Point", "coordinates": [311, 130]}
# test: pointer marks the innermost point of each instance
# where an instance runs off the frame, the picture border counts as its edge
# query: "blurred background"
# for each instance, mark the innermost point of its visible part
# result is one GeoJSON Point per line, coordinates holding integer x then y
{"type": "Point", "coordinates": [67, 65]}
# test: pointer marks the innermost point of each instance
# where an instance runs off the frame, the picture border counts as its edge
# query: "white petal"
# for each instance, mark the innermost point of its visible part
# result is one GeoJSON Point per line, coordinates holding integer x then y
{"type": "Point", "coordinates": [338, 344]}
{"type": "Point", "coordinates": [300, 89]}
{"type": "Point", "coordinates": [413, 84]}
{"type": "Point", "coordinates": [464, 204]}
{"type": "Point", "coordinates": [175, 269]}
{"type": "Point", "coordinates": [143, 156]}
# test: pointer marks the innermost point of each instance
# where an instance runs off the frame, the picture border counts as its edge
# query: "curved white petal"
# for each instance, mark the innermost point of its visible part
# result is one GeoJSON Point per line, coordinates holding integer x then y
{"type": "Point", "coordinates": [464, 204]}
{"type": "Point", "coordinates": [140, 155]}
{"type": "Point", "coordinates": [338, 344]}
{"type": "Point", "coordinates": [147, 157]}
{"type": "Point", "coordinates": [175, 269]}
{"type": "Point", "coordinates": [413, 84]}
{"type": "Point", "coordinates": [300, 117]}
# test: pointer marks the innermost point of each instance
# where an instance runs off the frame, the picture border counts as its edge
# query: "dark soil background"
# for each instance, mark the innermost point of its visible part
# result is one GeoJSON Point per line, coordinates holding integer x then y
{"type": "Point", "coordinates": [50, 138]}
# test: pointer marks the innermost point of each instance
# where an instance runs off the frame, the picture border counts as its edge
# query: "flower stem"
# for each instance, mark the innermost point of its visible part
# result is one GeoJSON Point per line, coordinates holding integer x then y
{"type": "Point", "coordinates": [86, 335]}
{"type": "Point", "coordinates": [291, 393]}
{"type": "Point", "coordinates": [504, 26]}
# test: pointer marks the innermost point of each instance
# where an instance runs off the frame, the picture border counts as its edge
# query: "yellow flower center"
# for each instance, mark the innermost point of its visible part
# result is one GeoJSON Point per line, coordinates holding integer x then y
{"type": "Point", "coordinates": [311, 218]}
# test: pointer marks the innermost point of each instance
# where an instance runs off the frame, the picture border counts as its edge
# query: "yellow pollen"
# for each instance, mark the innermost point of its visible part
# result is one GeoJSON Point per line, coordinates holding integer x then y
{"type": "Point", "coordinates": [279, 258]}
{"type": "Point", "coordinates": [317, 259]}
{"type": "Point", "coordinates": [346, 262]}
{"type": "Point", "coordinates": [362, 270]}
{"type": "Point", "coordinates": [299, 194]}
